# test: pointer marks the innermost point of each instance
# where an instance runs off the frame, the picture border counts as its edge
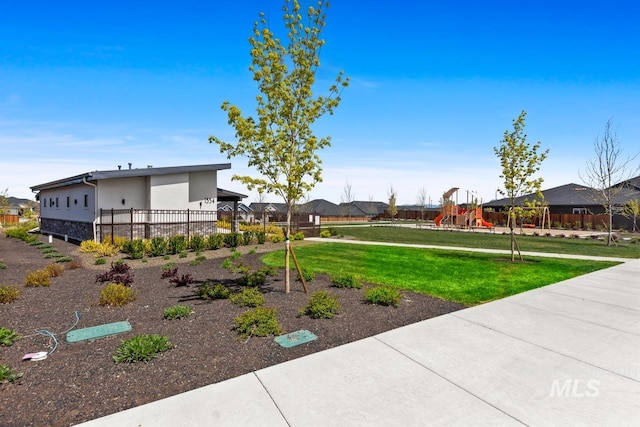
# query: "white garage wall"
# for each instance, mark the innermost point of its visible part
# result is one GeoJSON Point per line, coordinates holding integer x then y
{"type": "Point", "coordinates": [203, 189]}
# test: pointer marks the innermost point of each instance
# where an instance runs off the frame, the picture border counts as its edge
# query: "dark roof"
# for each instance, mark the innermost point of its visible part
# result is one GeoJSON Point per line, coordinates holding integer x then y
{"type": "Point", "coordinates": [228, 207]}
{"type": "Point", "coordinates": [633, 183]}
{"type": "Point", "coordinates": [568, 195]}
{"type": "Point", "coordinates": [320, 206]}
{"type": "Point", "coordinates": [128, 173]}
{"type": "Point", "coordinates": [260, 207]}
{"type": "Point", "coordinates": [229, 196]}
{"type": "Point", "coordinates": [370, 208]}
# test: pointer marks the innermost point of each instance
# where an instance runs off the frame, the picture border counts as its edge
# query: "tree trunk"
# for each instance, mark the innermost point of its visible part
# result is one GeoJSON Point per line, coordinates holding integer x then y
{"type": "Point", "coordinates": [287, 283]}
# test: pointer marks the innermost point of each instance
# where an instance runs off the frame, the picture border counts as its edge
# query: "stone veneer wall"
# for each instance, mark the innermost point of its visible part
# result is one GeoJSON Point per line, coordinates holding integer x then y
{"type": "Point", "coordinates": [73, 229]}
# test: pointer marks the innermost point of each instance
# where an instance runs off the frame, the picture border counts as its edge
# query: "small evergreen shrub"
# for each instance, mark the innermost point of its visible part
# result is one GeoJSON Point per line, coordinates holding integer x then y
{"type": "Point", "coordinates": [168, 266]}
{"type": "Point", "coordinates": [345, 281]}
{"type": "Point", "coordinates": [235, 254]}
{"type": "Point", "coordinates": [259, 322]}
{"type": "Point", "coordinates": [277, 238]}
{"type": "Point", "coordinates": [177, 244]}
{"type": "Point", "coordinates": [232, 240]}
{"type": "Point", "coordinates": [227, 264]}
{"type": "Point", "coordinates": [65, 258]}
{"type": "Point", "coordinates": [196, 243]}
{"type": "Point", "coordinates": [321, 305]}
{"type": "Point", "coordinates": [256, 278]}
{"type": "Point", "coordinates": [8, 374]}
{"type": "Point", "coordinates": [177, 312]}
{"type": "Point", "coordinates": [38, 278]}
{"type": "Point", "coordinates": [215, 241]}
{"type": "Point", "coordinates": [307, 274]}
{"type": "Point", "coordinates": [134, 248]}
{"type": "Point", "coordinates": [209, 291]}
{"type": "Point", "coordinates": [382, 295]}
{"type": "Point", "coordinates": [117, 295]}
{"type": "Point", "coordinates": [8, 294]}
{"type": "Point", "coordinates": [261, 237]}
{"type": "Point", "coordinates": [8, 337]}
{"type": "Point", "coordinates": [298, 236]}
{"type": "Point", "coordinates": [158, 246]}
{"type": "Point", "coordinates": [54, 270]}
{"type": "Point", "coordinates": [247, 237]}
{"type": "Point", "coordinates": [141, 348]}
{"type": "Point", "coordinates": [325, 234]}
{"type": "Point", "coordinates": [248, 297]}
{"type": "Point", "coordinates": [183, 254]}
{"type": "Point", "coordinates": [3, 266]}
{"type": "Point", "coordinates": [101, 261]}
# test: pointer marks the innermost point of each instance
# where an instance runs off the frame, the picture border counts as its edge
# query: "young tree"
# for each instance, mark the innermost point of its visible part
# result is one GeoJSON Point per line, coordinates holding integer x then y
{"type": "Point", "coordinates": [279, 143]}
{"type": "Point", "coordinates": [348, 197]}
{"type": "Point", "coordinates": [4, 205]}
{"type": "Point", "coordinates": [605, 171]}
{"type": "Point", "coordinates": [519, 162]}
{"type": "Point", "coordinates": [421, 198]}
{"type": "Point", "coordinates": [631, 209]}
{"type": "Point", "coordinates": [393, 208]}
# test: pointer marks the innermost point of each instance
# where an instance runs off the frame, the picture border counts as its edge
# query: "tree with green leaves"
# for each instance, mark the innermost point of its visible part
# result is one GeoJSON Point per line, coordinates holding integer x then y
{"type": "Point", "coordinates": [519, 162]}
{"type": "Point", "coordinates": [4, 205]}
{"type": "Point", "coordinates": [393, 207]}
{"type": "Point", "coordinates": [605, 173]}
{"type": "Point", "coordinates": [631, 209]}
{"type": "Point", "coordinates": [279, 142]}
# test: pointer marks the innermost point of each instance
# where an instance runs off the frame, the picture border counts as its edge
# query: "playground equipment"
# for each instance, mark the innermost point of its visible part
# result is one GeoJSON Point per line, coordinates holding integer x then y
{"type": "Point", "coordinates": [454, 216]}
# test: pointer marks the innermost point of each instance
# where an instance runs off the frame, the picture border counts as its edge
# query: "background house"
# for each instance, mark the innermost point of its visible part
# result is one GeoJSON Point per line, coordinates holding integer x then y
{"type": "Point", "coordinates": [133, 203]}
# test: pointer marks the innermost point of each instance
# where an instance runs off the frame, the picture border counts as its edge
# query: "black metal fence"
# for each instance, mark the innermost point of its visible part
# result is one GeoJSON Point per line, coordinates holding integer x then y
{"type": "Point", "coordinates": [149, 223]}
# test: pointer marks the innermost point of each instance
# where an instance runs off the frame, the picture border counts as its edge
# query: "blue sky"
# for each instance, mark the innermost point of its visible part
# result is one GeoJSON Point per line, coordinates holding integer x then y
{"type": "Point", "coordinates": [92, 85]}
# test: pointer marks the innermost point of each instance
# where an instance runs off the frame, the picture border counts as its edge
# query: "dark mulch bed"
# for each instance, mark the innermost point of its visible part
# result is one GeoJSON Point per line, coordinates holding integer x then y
{"type": "Point", "coordinates": [80, 381]}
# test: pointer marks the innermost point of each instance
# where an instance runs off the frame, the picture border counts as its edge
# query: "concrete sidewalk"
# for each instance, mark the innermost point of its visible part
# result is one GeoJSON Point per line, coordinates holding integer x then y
{"type": "Point", "coordinates": [565, 354]}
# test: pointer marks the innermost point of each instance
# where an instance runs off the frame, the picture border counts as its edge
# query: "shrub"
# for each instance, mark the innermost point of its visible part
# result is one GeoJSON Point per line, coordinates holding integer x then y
{"type": "Point", "coordinates": [248, 297]}
{"type": "Point", "coordinates": [119, 273]}
{"type": "Point", "coordinates": [183, 254]}
{"type": "Point", "coordinates": [8, 337]}
{"type": "Point", "coordinates": [141, 348]}
{"type": "Point", "coordinates": [321, 305]}
{"type": "Point", "coordinates": [256, 278]}
{"type": "Point", "coordinates": [345, 281]}
{"type": "Point", "coordinates": [168, 266]}
{"type": "Point", "coordinates": [3, 266]}
{"type": "Point", "coordinates": [38, 278]}
{"type": "Point", "coordinates": [134, 248]}
{"type": "Point", "coordinates": [8, 374]}
{"type": "Point", "coordinates": [382, 295]}
{"type": "Point", "coordinates": [227, 264]}
{"type": "Point", "coordinates": [177, 312]}
{"type": "Point", "coordinates": [116, 241]}
{"type": "Point", "coordinates": [277, 238]}
{"type": "Point", "coordinates": [232, 240]}
{"type": "Point", "coordinates": [209, 291]}
{"type": "Point", "coordinates": [259, 322]}
{"type": "Point", "coordinates": [117, 295]}
{"type": "Point", "coordinates": [177, 244]}
{"type": "Point", "coordinates": [215, 241]}
{"type": "Point", "coordinates": [184, 280]}
{"type": "Point", "coordinates": [54, 270]}
{"type": "Point", "coordinates": [158, 246]}
{"type": "Point", "coordinates": [261, 237]}
{"type": "Point", "coordinates": [325, 234]}
{"type": "Point", "coordinates": [101, 261]}
{"type": "Point", "coordinates": [8, 294]}
{"type": "Point", "coordinates": [196, 243]}
{"type": "Point", "coordinates": [98, 249]}
{"type": "Point", "coordinates": [247, 237]}
{"type": "Point", "coordinates": [307, 274]}
{"type": "Point", "coordinates": [298, 236]}
{"type": "Point", "coordinates": [66, 258]}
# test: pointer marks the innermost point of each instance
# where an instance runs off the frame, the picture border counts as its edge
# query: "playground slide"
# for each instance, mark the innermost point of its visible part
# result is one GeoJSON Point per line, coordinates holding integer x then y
{"type": "Point", "coordinates": [487, 224]}
{"type": "Point", "coordinates": [437, 220]}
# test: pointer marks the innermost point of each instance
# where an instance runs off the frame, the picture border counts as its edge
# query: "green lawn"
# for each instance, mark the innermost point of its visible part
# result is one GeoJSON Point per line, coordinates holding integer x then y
{"type": "Point", "coordinates": [465, 277]}
{"type": "Point", "coordinates": [493, 241]}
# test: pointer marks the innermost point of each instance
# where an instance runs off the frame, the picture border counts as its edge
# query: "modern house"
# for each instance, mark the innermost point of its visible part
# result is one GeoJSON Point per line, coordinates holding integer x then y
{"type": "Point", "coordinates": [133, 203]}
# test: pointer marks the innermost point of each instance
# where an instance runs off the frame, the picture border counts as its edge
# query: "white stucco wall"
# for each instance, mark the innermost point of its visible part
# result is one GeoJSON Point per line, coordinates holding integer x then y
{"type": "Point", "coordinates": [111, 193]}
{"type": "Point", "coordinates": [203, 188]}
{"type": "Point", "coordinates": [169, 191]}
{"type": "Point", "coordinates": [76, 195]}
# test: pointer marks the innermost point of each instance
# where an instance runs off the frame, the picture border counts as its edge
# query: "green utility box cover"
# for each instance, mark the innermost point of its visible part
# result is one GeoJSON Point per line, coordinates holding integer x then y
{"type": "Point", "coordinates": [295, 338]}
{"type": "Point", "coordinates": [99, 331]}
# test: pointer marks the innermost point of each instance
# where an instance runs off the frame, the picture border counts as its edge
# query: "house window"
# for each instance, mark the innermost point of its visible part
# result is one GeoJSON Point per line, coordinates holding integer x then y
{"type": "Point", "coordinates": [580, 211]}
{"type": "Point", "coordinates": [50, 202]}
{"type": "Point", "coordinates": [86, 200]}
{"type": "Point", "coordinates": [57, 204]}
{"type": "Point", "coordinates": [68, 201]}
{"type": "Point", "coordinates": [44, 202]}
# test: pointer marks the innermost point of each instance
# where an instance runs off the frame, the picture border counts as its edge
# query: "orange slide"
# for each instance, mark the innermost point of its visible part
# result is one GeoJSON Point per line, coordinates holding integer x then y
{"type": "Point", "coordinates": [487, 224]}
{"type": "Point", "coordinates": [437, 220]}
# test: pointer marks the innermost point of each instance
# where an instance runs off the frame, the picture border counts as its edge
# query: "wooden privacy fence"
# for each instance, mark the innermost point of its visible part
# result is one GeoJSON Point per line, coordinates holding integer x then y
{"type": "Point", "coordinates": [149, 223]}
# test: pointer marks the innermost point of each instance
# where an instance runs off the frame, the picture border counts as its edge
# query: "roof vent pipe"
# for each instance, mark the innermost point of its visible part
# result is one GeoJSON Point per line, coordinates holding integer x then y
{"type": "Point", "coordinates": [129, 165]}
{"type": "Point", "coordinates": [119, 167]}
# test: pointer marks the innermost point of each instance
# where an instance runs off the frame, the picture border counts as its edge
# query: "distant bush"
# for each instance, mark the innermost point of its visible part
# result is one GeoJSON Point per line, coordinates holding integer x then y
{"type": "Point", "coordinates": [158, 246]}
{"type": "Point", "coordinates": [248, 297]}
{"type": "Point", "coordinates": [118, 273]}
{"type": "Point", "coordinates": [8, 294]}
{"type": "Point", "coordinates": [215, 241]}
{"type": "Point", "coordinates": [382, 295]}
{"type": "Point", "coordinates": [325, 234]}
{"type": "Point", "coordinates": [209, 291]}
{"type": "Point", "coordinates": [321, 305]}
{"type": "Point", "coordinates": [232, 240]}
{"type": "Point", "coordinates": [177, 244]}
{"type": "Point", "coordinates": [247, 237]}
{"type": "Point", "coordinates": [197, 243]}
{"type": "Point", "coordinates": [277, 238]}
{"type": "Point", "coordinates": [99, 249]}
{"type": "Point", "coordinates": [345, 281]}
{"type": "Point", "coordinates": [38, 278]}
{"type": "Point", "coordinates": [259, 322]}
{"type": "Point", "coordinates": [298, 236]}
{"type": "Point", "coordinates": [261, 237]}
{"type": "Point", "coordinates": [307, 274]}
{"type": "Point", "coordinates": [117, 295]}
{"type": "Point", "coordinates": [54, 270]}
{"type": "Point", "coordinates": [134, 248]}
